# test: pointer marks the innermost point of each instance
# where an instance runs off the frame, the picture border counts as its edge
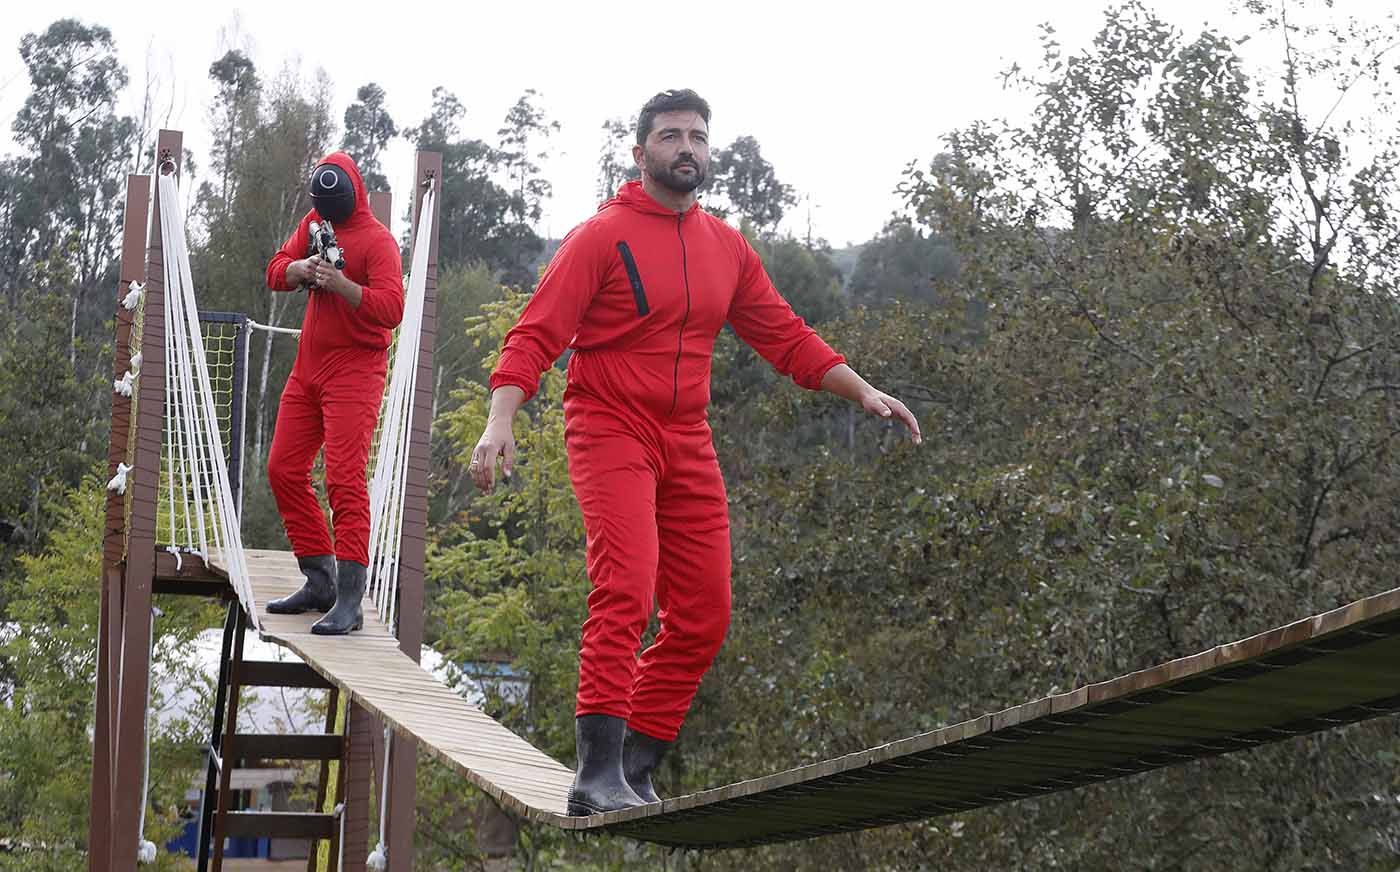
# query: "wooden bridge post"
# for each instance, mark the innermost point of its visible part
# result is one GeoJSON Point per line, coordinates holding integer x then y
{"type": "Point", "coordinates": [403, 761]}
{"type": "Point", "coordinates": [132, 268]}
{"type": "Point", "coordinates": [134, 666]}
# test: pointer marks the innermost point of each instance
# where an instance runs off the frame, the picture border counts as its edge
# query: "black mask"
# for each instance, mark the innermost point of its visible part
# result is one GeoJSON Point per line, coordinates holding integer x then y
{"type": "Point", "coordinates": [332, 193]}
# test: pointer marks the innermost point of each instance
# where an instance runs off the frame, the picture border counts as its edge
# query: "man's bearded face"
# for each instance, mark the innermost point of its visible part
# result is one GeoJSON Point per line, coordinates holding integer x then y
{"type": "Point", "coordinates": [677, 151]}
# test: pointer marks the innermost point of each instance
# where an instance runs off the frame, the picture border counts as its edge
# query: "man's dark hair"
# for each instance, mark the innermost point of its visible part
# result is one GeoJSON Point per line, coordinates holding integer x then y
{"type": "Point", "coordinates": [683, 100]}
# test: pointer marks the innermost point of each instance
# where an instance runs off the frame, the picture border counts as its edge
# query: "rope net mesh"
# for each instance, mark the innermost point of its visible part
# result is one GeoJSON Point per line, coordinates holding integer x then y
{"type": "Point", "coordinates": [196, 481]}
{"type": "Point", "coordinates": [220, 344]}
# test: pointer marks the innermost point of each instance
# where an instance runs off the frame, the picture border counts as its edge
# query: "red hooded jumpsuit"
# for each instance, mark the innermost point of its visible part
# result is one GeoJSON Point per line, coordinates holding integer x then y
{"type": "Point", "coordinates": [337, 382]}
{"type": "Point", "coordinates": [639, 292]}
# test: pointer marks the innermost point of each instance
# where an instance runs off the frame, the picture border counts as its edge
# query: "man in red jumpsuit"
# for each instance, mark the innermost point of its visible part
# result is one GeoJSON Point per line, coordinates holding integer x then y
{"type": "Point", "coordinates": [333, 395]}
{"type": "Point", "coordinates": [639, 292]}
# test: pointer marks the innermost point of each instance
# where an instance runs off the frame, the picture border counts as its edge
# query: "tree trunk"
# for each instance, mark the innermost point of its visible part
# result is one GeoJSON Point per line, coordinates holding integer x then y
{"type": "Point", "coordinates": [73, 333]}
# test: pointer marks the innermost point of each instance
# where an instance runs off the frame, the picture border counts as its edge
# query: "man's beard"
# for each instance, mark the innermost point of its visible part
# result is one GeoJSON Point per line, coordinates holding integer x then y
{"type": "Point", "coordinates": [667, 177]}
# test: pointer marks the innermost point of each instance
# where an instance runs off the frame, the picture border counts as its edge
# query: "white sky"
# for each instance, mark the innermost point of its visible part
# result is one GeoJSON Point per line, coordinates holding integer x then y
{"type": "Point", "coordinates": [840, 101]}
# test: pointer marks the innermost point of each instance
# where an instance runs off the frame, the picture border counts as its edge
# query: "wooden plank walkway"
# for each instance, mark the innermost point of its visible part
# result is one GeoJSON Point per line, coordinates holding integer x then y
{"type": "Point", "coordinates": [369, 666]}
{"type": "Point", "coordinates": [1314, 674]}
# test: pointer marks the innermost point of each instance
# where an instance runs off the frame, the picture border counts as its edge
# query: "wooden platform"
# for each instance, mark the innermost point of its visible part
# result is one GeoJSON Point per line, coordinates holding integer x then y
{"type": "Point", "coordinates": [370, 667]}
{"type": "Point", "coordinates": [1314, 674]}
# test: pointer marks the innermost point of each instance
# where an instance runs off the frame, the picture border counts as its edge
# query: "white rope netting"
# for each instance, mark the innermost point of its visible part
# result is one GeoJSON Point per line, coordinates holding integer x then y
{"type": "Point", "coordinates": [196, 467]}
{"type": "Point", "coordinates": [386, 493]}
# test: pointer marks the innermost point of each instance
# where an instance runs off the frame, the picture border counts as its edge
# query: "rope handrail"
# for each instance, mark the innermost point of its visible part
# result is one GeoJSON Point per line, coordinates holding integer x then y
{"type": "Point", "coordinates": [196, 454]}
{"type": "Point", "coordinates": [387, 487]}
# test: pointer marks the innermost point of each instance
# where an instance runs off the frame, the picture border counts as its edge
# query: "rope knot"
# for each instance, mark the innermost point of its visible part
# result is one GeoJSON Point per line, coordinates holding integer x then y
{"type": "Point", "coordinates": [133, 295]}
{"type": "Point", "coordinates": [118, 482]}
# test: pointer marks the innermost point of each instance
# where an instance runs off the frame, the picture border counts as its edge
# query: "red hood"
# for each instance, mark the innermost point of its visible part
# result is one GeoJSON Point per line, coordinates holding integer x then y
{"type": "Point", "coordinates": [362, 211]}
{"type": "Point", "coordinates": [635, 197]}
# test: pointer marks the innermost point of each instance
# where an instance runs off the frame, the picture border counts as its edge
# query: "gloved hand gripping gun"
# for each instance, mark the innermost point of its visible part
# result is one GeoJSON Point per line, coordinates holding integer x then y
{"type": "Point", "coordinates": [324, 246]}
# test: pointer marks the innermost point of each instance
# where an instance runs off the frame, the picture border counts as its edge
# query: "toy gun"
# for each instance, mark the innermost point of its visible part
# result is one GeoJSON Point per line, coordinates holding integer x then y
{"type": "Point", "coordinates": [324, 246]}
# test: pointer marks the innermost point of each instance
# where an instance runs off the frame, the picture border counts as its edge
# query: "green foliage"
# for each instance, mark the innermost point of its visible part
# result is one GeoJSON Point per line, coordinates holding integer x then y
{"type": "Point", "coordinates": [1160, 416]}
{"type": "Point", "coordinates": [45, 740]}
{"type": "Point", "coordinates": [902, 263]}
{"type": "Point", "coordinates": [462, 292]}
{"type": "Point", "coordinates": [51, 416]}
{"type": "Point", "coordinates": [233, 118]}
{"type": "Point", "coordinates": [805, 276]}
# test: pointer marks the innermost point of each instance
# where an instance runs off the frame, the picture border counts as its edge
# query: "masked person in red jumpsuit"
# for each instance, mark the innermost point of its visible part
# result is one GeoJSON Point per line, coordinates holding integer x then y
{"type": "Point", "coordinates": [639, 292]}
{"type": "Point", "coordinates": [333, 395]}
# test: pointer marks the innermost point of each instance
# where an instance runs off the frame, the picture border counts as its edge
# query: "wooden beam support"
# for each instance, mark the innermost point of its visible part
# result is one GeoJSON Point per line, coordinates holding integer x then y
{"type": "Point", "coordinates": [132, 267]}
{"type": "Point", "coordinates": [142, 487]}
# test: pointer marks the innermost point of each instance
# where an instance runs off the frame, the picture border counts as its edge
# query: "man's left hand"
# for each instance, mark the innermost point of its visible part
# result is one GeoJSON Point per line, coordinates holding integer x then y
{"type": "Point", "coordinates": [882, 405]}
{"type": "Point", "coordinates": [328, 278]}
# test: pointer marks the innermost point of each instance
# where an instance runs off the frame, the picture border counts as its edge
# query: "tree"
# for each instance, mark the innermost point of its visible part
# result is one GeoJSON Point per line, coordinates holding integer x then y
{"type": "Point", "coordinates": [51, 416]}
{"type": "Point", "coordinates": [368, 129]}
{"type": "Point", "coordinates": [525, 128]}
{"type": "Point", "coordinates": [45, 740]}
{"type": "Point", "coordinates": [232, 119]}
{"type": "Point", "coordinates": [903, 262]}
{"type": "Point", "coordinates": [747, 186]}
{"type": "Point", "coordinates": [476, 211]}
{"type": "Point", "coordinates": [65, 185]}
{"type": "Point", "coordinates": [615, 163]}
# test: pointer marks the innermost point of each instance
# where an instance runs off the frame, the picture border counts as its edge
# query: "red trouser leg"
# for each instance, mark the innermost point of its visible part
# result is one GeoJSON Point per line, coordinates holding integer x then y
{"type": "Point", "coordinates": [692, 585]}
{"type": "Point", "coordinates": [296, 438]}
{"type": "Point", "coordinates": [614, 470]}
{"type": "Point", "coordinates": [350, 401]}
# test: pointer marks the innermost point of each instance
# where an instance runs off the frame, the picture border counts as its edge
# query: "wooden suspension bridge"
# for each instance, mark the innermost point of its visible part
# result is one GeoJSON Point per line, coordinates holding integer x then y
{"type": "Point", "coordinates": [1318, 673]}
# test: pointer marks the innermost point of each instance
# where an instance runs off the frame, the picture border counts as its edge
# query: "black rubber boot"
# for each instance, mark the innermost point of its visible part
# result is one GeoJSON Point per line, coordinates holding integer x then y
{"type": "Point", "coordinates": [317, 595]}
{"type": "Point", "coordinates": [640, 755]}
{"type": "Point", "coordinates": [598, 784]}
{"type": "Point", "coordinates": [349, 590]}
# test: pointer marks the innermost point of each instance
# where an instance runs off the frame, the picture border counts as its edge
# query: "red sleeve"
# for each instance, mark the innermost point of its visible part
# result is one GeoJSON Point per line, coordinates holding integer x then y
{"type": "Point", "coordinates": [553, 315]}
{"type": "Point", "coordinates": [764, 320]}
{"type": "Point", "coordinates": [381, 297]}
{"type": "Point", "coordinates": [293, 249]}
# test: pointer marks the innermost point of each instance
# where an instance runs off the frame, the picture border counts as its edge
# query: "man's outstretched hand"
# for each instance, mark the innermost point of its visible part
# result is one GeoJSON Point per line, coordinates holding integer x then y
{"type": "Point", "coordinates": [882, 405]}
{"type": "Point", "coordinates": [843, 381]}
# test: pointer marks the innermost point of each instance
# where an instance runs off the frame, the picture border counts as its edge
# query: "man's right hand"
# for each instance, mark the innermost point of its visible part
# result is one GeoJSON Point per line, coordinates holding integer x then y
{"type": "Point", "coordinates": [498, 440]}
{"type": "Point", "coordinates": [302, 272]}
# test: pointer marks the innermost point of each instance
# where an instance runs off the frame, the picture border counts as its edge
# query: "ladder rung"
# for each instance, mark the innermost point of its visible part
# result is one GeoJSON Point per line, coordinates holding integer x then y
{"type": "Point", "coordinates": [270, 673]}
{"type": "Point", "coordinates": [279, 824]}
{"type": "Point", "coordinates": [314, 746]}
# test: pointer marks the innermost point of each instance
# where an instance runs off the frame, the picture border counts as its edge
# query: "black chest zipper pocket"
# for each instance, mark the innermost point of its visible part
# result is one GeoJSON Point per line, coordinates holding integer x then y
{"type": "Point", "coordinates": [634, 277]}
